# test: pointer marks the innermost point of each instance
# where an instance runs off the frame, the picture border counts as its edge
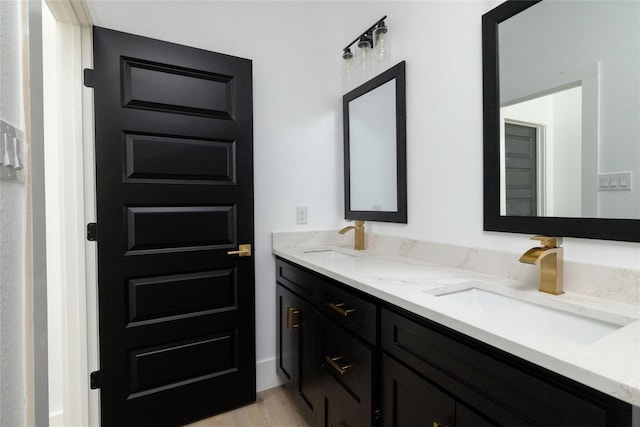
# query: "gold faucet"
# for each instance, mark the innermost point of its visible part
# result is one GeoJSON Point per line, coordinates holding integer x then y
{"type": "Point", "coordinates": [549, 257]}
{"type": "Point", "coordinates": [358, 242]}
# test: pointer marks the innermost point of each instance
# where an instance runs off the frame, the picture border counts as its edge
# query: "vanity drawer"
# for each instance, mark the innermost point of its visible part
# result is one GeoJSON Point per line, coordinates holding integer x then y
{"type": "Point", "coordinates": [349, 311]}
{"type": "Point", "coordinates": [492, 380]}
{"type": "Point", "coordinates": [350, 365]}
{"type": "Point", "coordinates": [302, 282]}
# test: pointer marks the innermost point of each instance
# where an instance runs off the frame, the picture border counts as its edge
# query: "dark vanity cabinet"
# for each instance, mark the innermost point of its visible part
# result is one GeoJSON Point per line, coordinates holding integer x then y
{"type": "Point", "coordinates": [356, 361]}
{"type": "Point", "coordinates": [327, 348]}
{"type": "Point", "coordinates": [476, 384]}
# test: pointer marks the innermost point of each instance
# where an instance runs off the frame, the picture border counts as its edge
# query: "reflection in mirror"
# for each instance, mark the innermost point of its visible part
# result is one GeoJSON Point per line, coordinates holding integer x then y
{"type": "Point", "coordinates": [372, 150]}
{"type": "Point", "coordinates": [541, 142]}
{"type": "Point", "coordinates": [575, 78]}
{"type": "Point", "coordinates": [375, 141]}
{"type": "Point", "coordinates": [562, 118]}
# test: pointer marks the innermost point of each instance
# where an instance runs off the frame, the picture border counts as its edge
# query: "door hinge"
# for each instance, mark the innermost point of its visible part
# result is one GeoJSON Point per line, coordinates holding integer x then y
{"type": "Point", "coordinates": [92, 232]}
{"type": "Point", "coordinates": [94, 379]}
{"type": "Point", "coordinates": [377, 415]}
{"type": "Point", "coordinates": [88, 78]}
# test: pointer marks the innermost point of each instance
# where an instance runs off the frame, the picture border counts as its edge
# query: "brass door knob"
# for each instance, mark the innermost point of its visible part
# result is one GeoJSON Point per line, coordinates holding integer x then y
{"type": "Point", "coordinates": [243, 250]}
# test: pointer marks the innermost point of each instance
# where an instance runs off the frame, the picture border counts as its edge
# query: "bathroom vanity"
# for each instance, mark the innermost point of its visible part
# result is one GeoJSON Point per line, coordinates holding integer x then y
{"type": "Point", "coordinates": [360, 345]}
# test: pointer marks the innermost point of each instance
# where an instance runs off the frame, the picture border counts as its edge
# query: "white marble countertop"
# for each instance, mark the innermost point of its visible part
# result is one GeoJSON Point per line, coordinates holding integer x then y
{"type": "Point", "coordinates": [610, 364]}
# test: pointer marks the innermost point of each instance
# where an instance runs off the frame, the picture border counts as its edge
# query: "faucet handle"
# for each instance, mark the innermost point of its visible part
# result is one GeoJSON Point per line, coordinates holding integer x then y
{"type": "Point", "coordinates": [548, 242]}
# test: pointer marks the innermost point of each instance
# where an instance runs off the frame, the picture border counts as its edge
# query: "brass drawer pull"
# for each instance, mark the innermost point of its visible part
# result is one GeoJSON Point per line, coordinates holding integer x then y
{"type": "Point", "coordinates": [437, 424]}
{"type": "Point", "coordinates": [340, 309]}
{"type": "Point", "coordinates": [340, 368]}
{"type": "Point", "coordinates": [292, 311]}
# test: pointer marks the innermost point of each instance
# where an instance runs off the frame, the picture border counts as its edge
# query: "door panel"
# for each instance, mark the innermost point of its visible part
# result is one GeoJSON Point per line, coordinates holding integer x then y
{"type": "Point", "coordinates": [174, 194]}
{"type": "Point", "coordinates": [154, 86]}
{"type": "Point", "coordinates": [521, 170]}
{"type": "Point", "coordinates": [162, 298]}
{"type": "Point", "coordinates": [151, 158]}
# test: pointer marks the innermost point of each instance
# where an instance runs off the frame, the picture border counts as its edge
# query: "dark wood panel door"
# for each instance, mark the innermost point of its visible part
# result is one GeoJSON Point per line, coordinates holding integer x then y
{"type": "Point", "coordinates": [174, 195]}
{"type": "Point", "coordinates": [521, 163]}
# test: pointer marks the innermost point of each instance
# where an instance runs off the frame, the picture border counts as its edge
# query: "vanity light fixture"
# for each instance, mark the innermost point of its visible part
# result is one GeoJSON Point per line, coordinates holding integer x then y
{"type": "Point", "coordinates": [371, 54]}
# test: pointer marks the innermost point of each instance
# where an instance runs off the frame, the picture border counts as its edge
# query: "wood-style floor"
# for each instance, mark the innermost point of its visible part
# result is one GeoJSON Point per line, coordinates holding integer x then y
{"type": "Point", "coordinates": [273, 407]}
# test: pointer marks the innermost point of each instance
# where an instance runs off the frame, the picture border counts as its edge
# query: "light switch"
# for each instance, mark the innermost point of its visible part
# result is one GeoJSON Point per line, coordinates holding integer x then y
{"type": "Point", "coordinates": [17, 156]}
{"type": "Point", "coordinates": [9, 151]}
{"type": "Point", "coordinates": [5, 149]}
{"type": "Point", "coordinates": [616, 181]}
{"type": "Point", "coordinates": [624, 181]}
{"type": "Point", "coordinates": [11, 146]}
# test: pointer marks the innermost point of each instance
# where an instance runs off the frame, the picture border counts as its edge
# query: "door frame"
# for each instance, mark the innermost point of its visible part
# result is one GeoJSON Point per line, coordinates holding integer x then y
{"type": "Point", "coordinates": [77, 208]}
{"type": "Point", "coordinates": [542, 168]}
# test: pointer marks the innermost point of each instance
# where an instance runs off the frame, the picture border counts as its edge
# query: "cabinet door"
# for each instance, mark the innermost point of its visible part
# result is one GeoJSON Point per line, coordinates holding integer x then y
{"type": "Point", "coordinates": [289, 339]}
{"type": "Point", "coordinates": [466, 417]}
{"type": "Point", "coordinates": [297, 347]}
{"type": "Point", "coordinates": [409, 400]}
{"type": "Point", "coordinates": [339, 412]}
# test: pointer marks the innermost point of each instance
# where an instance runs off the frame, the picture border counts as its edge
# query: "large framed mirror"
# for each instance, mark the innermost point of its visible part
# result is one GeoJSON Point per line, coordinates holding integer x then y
{"type": "Point", "coordinates": [562, 118]}
{"type": "Point", "coordinates": [375, 161]}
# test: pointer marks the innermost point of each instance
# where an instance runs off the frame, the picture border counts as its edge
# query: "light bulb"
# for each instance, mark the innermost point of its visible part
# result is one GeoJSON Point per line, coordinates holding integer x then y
{"type": "Point", "coordinates": [365, 58]}
{"type": "Point", "coordinates": [381, 49]}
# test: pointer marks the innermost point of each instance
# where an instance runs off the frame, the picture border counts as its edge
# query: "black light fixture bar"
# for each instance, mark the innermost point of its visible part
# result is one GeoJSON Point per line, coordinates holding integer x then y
{"type": "Point", "coordinates": [368, 30]}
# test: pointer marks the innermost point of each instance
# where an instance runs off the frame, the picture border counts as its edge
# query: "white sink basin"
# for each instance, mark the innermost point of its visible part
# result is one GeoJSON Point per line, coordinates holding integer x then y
{"type": "Point", "coordinates": [529, 316]}
{"type": "Point", "coordinates": [327, 254]}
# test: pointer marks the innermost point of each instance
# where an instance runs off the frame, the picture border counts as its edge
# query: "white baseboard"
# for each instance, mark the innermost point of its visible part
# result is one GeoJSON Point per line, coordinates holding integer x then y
{"type": "Point", "coordinates": [267, 374]}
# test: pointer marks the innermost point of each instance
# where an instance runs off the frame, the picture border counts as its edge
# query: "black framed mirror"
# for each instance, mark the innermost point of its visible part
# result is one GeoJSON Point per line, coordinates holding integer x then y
{"type": "Point", "coordinates": [511, 79]}
{"type": "Point", "coordinates": [375, 161]}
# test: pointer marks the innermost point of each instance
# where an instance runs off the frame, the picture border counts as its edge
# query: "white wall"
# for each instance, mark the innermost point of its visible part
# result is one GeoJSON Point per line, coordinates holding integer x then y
{"type": "Point", "coordinates": [13, 217]}
{"type": "Point", "coordinates": [296, 51]}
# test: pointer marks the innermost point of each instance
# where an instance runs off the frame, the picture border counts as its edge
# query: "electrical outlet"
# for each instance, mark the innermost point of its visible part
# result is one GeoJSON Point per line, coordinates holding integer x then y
{"type": "Point", "coordinates": [301, 215]}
